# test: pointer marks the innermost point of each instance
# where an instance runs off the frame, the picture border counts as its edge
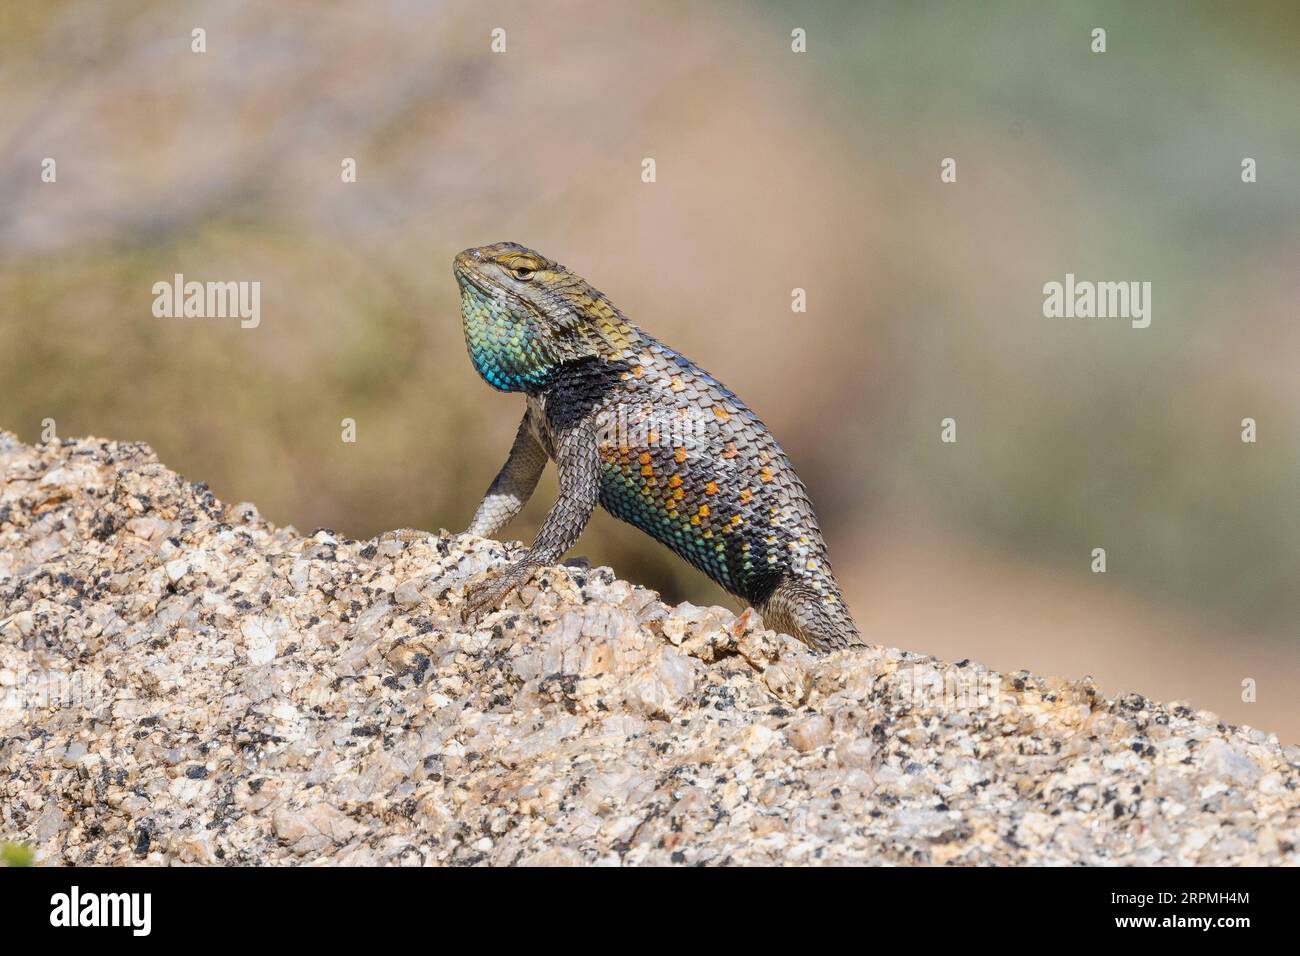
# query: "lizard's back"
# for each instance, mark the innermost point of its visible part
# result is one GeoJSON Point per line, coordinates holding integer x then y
{"type": "Point", "coordinates": [684, 459]}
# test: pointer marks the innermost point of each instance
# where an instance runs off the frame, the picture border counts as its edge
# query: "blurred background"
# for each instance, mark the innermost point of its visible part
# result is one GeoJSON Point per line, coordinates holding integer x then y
{"type": "Point", "coordinates": [775, 170]}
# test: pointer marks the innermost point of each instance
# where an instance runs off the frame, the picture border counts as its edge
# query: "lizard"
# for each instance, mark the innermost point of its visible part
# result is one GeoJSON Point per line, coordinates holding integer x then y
{"type": "Point", "coordinates": [637, 428]}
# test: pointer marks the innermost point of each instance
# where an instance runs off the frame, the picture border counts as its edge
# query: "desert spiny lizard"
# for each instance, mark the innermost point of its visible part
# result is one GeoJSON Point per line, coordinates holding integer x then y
{"type": "Point", "coordinates": [647, 434]}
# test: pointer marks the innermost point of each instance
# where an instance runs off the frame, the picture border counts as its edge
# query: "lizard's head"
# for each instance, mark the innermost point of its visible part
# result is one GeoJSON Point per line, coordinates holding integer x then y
{"type": "Point", "coordinates": [526, 316]}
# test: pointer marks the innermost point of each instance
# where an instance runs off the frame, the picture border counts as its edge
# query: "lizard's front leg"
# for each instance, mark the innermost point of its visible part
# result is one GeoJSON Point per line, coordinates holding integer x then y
{"type": "Point", "coordinates": [513, 485]}
{"type": "Point", "coordinates": [578, 464]}
{"type": "Point", "coordinates": [508, 493]}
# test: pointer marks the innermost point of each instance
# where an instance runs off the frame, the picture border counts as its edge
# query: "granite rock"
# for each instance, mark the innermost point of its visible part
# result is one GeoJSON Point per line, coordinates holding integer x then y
{"type": "Point", "coordinates": [183, 683]}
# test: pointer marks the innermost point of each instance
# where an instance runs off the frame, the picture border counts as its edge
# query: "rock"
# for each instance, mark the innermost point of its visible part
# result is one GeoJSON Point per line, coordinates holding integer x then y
{"type": "Point", "coordinates": [1229, 763]}
{"type": "Point", "coordinates": [259, 642]}
{"type": "Point", "coordinates": [859, 753]}
{"type": "Point", "coordinates": [189, 684]}
{"type": "Point", "coordinates": [788, 680]}
{"type": "Point", "coordinates": [176, 569]}
{"type": "Point", "coordinates": [313, 828]}
{"type": "Point", "coordinates": [809, 733]}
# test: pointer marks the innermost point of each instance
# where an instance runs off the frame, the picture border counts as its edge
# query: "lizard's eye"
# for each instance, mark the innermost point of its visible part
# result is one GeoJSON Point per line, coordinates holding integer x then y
{"type": "Point", "coordinates": [522, 272]}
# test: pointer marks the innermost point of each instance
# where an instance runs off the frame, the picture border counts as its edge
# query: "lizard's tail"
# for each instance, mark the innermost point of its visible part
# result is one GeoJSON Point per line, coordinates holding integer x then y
{"type": "Point", "coordinates": [819, 618]}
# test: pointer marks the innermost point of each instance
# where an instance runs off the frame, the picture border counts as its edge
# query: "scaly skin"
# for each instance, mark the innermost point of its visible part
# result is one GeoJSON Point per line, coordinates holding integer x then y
{"type": "Point", "coordinates": [645, 433]}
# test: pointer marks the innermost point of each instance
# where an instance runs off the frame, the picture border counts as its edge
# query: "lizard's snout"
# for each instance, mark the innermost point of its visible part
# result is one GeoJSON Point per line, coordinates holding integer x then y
{"type": "Point", "coordinates": [468, 259]}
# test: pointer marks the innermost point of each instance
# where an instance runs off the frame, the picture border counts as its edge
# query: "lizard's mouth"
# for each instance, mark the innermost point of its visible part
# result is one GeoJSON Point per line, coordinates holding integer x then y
{"type": "Point", "coordinates": [479, 285]}
{"type": "Point", "coordinates": [477, 282]}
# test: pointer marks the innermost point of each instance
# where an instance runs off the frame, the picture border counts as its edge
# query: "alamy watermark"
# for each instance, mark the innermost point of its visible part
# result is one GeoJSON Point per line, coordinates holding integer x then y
{"type": "Point", "coordinates": [24, 688]}
{"type": "Point", "coordinates": [646, 427]}
{"type": "Point", "coordinates": [1101, 300]}
{"type": "Point", "coordinates": [179, 299]}
{"type": "Point", "coordinates": [75, 908]}
{"type": "Point", "coordinates": [923, 689]}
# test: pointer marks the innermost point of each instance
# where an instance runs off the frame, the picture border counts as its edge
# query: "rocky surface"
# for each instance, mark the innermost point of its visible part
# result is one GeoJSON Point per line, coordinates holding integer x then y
{"type": "Point", "coordinates": [181, 682]}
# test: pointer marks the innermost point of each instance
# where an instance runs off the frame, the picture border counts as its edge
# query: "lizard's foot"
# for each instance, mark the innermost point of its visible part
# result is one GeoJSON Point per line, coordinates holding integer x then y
{"type": "Point", "coordinates": [485, 597]}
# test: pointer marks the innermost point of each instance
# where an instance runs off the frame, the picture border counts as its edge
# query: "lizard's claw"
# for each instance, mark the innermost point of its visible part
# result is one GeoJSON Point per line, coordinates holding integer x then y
{"type": "Point", "coordinates": [485, 597]}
